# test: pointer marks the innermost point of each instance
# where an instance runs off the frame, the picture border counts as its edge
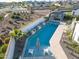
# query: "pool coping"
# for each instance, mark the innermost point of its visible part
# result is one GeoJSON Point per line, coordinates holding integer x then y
{"type": "Point", "coordinates": [55, 43]}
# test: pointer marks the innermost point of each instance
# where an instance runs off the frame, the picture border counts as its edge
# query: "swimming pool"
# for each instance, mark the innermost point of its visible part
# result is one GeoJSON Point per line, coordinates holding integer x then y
{"type": "Point", "coordinates": [38, 42]}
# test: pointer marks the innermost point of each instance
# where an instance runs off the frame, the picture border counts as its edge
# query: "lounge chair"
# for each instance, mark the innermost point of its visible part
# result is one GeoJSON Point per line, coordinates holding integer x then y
{"type": "Point", "coordinates": [46, 52]}
{"type": "Point", "coordinates": [33, 32]}
{"type": "Point", "coordinates": [39, 27]}
{"type": "Point", "coordinates": [30, 51]}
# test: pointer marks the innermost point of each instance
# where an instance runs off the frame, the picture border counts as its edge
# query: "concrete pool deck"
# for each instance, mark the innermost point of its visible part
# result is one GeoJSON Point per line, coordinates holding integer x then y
{"type": "Point", "coordinates": [55, 43]}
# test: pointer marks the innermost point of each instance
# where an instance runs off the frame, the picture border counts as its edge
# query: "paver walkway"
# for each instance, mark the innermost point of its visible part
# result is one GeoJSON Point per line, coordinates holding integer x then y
{"type": "Point", "coordinates": [55, 45]}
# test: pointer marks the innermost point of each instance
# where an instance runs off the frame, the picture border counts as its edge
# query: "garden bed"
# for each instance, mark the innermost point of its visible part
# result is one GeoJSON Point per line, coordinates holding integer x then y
{"type": "Point", "coordinates": [70, 47]}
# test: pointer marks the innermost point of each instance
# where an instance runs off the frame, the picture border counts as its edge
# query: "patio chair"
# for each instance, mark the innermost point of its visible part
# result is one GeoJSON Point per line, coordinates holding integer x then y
{"type": "Point", "coordinates": [30, 51]}
{"type": "Point", "coordinates": [46, 52]}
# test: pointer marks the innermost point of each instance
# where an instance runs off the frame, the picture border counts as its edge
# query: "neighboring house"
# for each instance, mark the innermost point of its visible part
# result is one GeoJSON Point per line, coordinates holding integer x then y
{"type": "Point", "coordinates": [76, 32]}
{"type": "Point", "coordinates": [56, 15]}
{"type": "Point", "coordinates": [75, 1]}
{"type": "Point", "coordinates": [76, 12]}
{"type": "Point", "coordinates": [40, 5]}
{"type": "Point", "coordinates": [18, 10]}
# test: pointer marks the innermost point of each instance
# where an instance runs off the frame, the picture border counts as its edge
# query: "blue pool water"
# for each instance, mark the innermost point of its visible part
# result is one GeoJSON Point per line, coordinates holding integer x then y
{"type": "Point", "coordinates": [43, 36]}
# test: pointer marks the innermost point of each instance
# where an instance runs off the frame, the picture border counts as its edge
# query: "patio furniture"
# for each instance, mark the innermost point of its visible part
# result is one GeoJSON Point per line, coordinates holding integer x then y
{"type": "Point", "coordinates": [46, 52]}
{"type": "Point", "coordinates": [30, 51]}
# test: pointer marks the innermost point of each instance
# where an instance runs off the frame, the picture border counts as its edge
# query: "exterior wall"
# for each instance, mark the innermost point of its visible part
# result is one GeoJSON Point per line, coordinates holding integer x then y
{"type": "Point", "coordinates": [73, 24]}
{"type": "Point", "coordinates": [76, 12]}
{"type": "Point", "coordinates": [76, 33]}
{"type": "Point", "coordinates": [10, 50]}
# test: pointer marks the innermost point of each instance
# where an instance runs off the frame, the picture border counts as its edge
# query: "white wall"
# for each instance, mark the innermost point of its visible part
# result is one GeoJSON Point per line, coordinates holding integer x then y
{"type": "Point", "coordinates": [76, 33]}
{"type": "Point", "coordinates": [76, 12]}
{"type": "Point", "coordinates": [73, 24]}
{"type": "Point", "coordinates": [10, 50]}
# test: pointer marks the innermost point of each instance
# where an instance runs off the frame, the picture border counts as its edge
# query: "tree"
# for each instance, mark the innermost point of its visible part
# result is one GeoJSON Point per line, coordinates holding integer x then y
{"type": "Point", "coordinates": [1, 18]}
{"type": "Point", "coordinates": [68, 17]}
{"type": "Point", "coordinates": [1, 43]}
{"type": "Point", "coordinates": [53, 6]}
{"type": "Point", "coordinates": [77, 18]}
{"type": "Point", "coordinates": [3, 48]}
{"type": "Point", "coordinates": [16, 33]}
{"type": "Point", "coordinates": [7, 40]}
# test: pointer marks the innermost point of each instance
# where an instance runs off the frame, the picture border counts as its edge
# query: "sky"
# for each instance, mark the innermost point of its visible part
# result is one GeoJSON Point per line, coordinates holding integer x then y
{"type": "Point", "coordinates": [23, 0]}
{"type": "Point", "coordinates": [29, 0]}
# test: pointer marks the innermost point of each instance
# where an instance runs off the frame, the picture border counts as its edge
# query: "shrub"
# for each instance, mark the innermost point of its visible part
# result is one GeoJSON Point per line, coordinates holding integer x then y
{"type": "Point", "coordinates": [3, 48]}
{"type": "Point", "coordinates": [16, 33]}
{"type": "Point", "coordinates": [2, 55]}
{"type": "Point", "coordinates": [77, 18]}
{"type": "Point", "coordinates": [68, 32]}
{"type": "Point", "coordinates": [18, 14]}
{"type": "Point", "coordinates": [10, 22]}
{"type": "Point", "coordinates": [77, 49]}
{"type": "Point", "coordinates": [15, 17]}
{"type": "Point", "coordinates": [1, 35]}
{"type": "Point", "coordinates": [69, 35]}
{"type": "Point", "coordinates": [7, 40]}
{"type": "Point", "coordinates": [68, 17]}
{"type": "Point", "coordinates": [1, 43]}
{"type": "Point", "coordinates": [1, 18]}
{"type": "Point", "coordinates": [12, 33]}
{"type": "Point", "coordinates": [14, 13]}
{"type": "Point", "coordinates": [47, 18]}
{"type": "Point", "coordinates": [74, 44]}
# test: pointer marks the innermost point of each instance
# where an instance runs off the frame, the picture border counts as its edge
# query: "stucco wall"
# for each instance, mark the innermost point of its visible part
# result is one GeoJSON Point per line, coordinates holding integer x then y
{"type": "Point", "coordinates": [76, 33]}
